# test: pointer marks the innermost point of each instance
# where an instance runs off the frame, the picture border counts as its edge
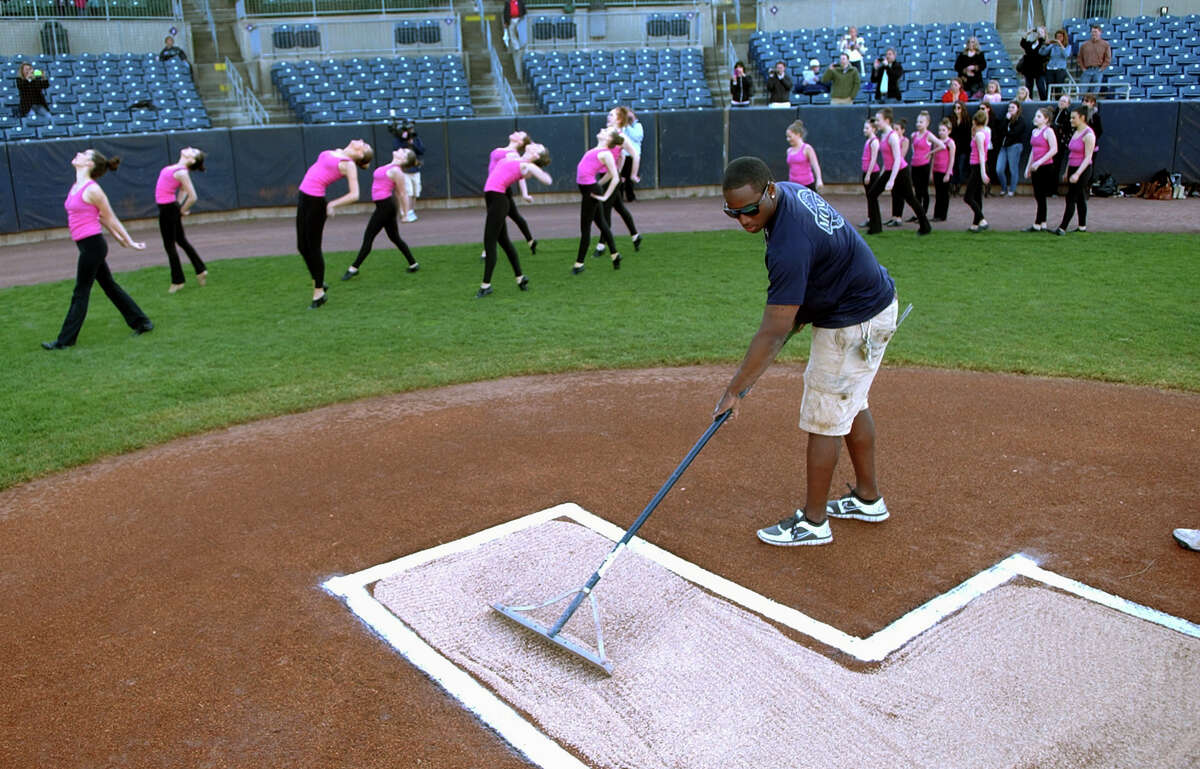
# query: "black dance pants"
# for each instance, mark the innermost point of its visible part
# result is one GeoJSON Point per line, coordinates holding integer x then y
{"type": "Point", "coordinates": [94, 269]}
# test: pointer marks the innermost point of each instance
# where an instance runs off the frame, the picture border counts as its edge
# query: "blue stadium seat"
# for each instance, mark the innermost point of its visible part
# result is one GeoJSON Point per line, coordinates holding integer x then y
{"type": "Point", "coordinates": [1162, 92]}
{"type": "Point", "coordinates": [1190, 91]}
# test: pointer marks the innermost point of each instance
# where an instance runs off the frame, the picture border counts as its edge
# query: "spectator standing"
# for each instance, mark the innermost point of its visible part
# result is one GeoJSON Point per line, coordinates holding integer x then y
{"type": "Point", "coordinates": [810, 79]}
{"type": "Point", "coordinates": [779, 86]}
{"type": "Point", "coordinates": [405, 137]}
{"type": "Point", "coordinates": [31, 91]}
{"type": "Point", "coordinates": [171, 51]}
{"type": "Point", "coordinates": [843, 79]}
{"type": "Point", "coordinates": [886, 75]}
{"type": "Point", "coordinates": [970, 64]}
{"type": "Point", "coordinates": [1057, 51]}
{"type": "Point", "coordinates": [1062, 132]}
{"type": "Point", "coordinates": [741, 87]}
{"type": "Point", "coordinates": [855, 48]}
{"type": "Point", "coordinates": [954, 92]}
{"type": "Point", "coordinates": [1012, 145]}
{"type": "Point", "coordinates": [1033, 63]}
{"type": "Point", "coordinates": [960, 132]}
{"type": "Point", "coordinates": [1097, 126]}
{"type": "Point", "coordinates": [514, 24]}
{"type": "Point", "coordinates": [1095, 54]}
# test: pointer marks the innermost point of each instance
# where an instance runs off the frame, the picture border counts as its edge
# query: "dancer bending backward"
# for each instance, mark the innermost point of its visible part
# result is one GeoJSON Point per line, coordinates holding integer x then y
{"type": "Point", "coordinates": [171, 212]}
{"type": "Point", "coordinates": [517, 142]}
{"type": "Point", "coordinates": [870, 159]}
{"type": "Point", "coordinates": [88, 214]}
{"type": "Point", "coordinates": [803, 166]}
{"type": "Point", "coordinates": [894, 175]}
{"type": "Point", "coordinates": [626, 155]}
{"type": "Point", "coordinates": [1079, 170]}
{"type": "Point", "coordinates": [495, 195]}
{"type": "Point", "coordinates": [924, 144]}
{"type": "Point", "coordinates": [387, 186]}
{"type": "Point", "coordinates": [977, 176]}
{"type": "Point", "coordinates": [1043, 149]}
{"type": "Point", "coordinates": [313, 210]}
{"type": "Point", "coordinates": [596, 163]}
{"type": "Point", "coordinates": [943, 165]}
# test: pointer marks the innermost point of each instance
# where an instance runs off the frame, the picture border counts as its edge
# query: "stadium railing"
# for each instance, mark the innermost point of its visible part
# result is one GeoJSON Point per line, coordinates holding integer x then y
{"type": "Point", "coordinates": [93, 9]}
{"type": "Point", "coordinates": [654, 26]}
{"type": "Point", "coordinates": [268, 8]}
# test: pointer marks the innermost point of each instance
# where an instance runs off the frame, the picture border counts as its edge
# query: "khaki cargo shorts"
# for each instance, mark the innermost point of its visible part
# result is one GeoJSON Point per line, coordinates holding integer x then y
{"type": "Point", "coordinates": [840, 373]}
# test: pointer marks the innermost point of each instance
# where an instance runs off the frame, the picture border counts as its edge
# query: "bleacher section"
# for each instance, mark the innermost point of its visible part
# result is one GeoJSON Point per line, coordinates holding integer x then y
{"type": "Point", "coordinates": [356, 89]}
{"type": "Point", "coordinates": [594, 81]}
{"type": "Point", "coordinates": [1156, 57]}
{"type": "Point", "coordinates": [91, 95]}
{"type": "Point", "coordinates": [927, 52]}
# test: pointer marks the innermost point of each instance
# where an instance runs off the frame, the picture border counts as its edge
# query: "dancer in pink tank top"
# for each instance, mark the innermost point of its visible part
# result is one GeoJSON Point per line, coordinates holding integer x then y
{"type": "Point", "coordinates": [517, 142]}
{"type": "Point", "coordinates": [596, 166]}
{"type": "Point", "coordinates": [803, 166]}
{"type": "Point", "coordinates": [387, 187]}
{"type": "Point", "coordinates": [313, 209]}
{"type": "Point", "coordinates": [88, 214]}
{"type": "Point", "coordinates": [893, 174]}
{"type": "Point", "coordinates": [171, 211]}
{"type": "Point", "coordinates": [1043, 154]}
{"type": "Point", "coordinates": [506, 172]}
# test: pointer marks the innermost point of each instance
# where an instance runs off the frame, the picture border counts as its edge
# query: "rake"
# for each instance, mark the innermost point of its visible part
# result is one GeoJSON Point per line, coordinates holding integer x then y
{"type": "Point", "coordinates": [554, 632]}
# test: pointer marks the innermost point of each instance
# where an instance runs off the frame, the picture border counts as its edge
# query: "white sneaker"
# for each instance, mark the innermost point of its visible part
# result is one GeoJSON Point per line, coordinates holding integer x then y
{"type": "Point", "coordinates": [1188, 538]}
{"type": "Point", "coordinates": [796, 530]}
{"type": "Point", "coordinates": [599, 250]}
{"type": "Point", "coordinates": [411, 216]}
{"type": "Point", "coordinates": [850, 506]}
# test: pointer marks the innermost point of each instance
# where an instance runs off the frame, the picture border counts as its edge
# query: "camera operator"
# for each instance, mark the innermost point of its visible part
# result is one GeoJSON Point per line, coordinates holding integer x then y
{"type": "Point", "coordinates": [31, 89]}
{"type": "Point", "coordinates": [405, 136]}
{"type": "Point", "coordinates": [886, 75]}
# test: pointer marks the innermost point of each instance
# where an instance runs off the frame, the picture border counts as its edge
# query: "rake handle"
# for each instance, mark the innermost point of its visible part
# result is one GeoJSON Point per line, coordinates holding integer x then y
{"type": "Point", "coordinates": [641, 519]}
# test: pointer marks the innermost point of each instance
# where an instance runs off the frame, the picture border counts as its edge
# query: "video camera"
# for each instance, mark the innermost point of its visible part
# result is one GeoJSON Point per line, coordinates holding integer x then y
{"type": "Point", "coordinates": [399, 127]}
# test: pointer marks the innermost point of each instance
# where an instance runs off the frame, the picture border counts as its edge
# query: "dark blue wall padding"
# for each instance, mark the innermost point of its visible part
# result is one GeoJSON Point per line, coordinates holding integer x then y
{"type": "Point", "coordinates": [130, 188]}
{"type": "Point", "coordinates": [270, 163]}
{"type": "Point", "coordinates": [692, 146]}
{"type": "Point", "coordinates": [760, 133]}
{"type": "Point", "coordinates": [435, 177]}
{"type": "Point", "coordinates": [564, 136]}
{"type": "Point", "coordinates": [41, 177]}
{"type": "Point", "coordinates": [1138, 139]}
{"type": "Point", "coordinates": [1187, 143]}
{"type": "Point", "coordinates": [216, 186]}
{"type": "Point", "coordinates": [318, 138]}
{"type": "Point", "coordinates": [473, 141]}
{"type": "Point", "coordinates": [8, 203]}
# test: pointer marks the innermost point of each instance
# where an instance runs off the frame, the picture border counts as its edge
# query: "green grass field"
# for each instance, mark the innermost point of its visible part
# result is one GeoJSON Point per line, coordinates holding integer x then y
{"type": "Point", "coordinates": [1113, 307]}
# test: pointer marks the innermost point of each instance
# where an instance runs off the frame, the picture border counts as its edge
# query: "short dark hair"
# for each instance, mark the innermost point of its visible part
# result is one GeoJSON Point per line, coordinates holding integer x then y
{"type": "Point", "coordinates": [746, 170]}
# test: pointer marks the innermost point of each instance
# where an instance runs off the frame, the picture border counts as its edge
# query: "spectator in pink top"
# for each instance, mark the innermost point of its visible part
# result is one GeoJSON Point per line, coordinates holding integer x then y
{"type": "Point", "coordinates": [313, 209]}
{"type": "Point", "coordinates": [387, 186]}
{"type": "Point", "coordinates": [503, 175]}
{"type": "Point", "coordinates": [88, 214]}
{"type": "Point", "coordinates": [171, 211]}
{"type": "Point", "coordinates": [597, 164]}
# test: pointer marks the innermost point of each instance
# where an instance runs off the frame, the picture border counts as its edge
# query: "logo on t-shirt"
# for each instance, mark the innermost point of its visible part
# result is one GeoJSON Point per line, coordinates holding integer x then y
{"type": "Point", "coordinates": [825, 215]}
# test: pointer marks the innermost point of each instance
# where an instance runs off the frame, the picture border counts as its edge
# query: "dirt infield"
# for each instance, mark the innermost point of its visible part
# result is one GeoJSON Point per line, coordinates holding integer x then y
{"type": "Point", "coordinates": [163, 608]}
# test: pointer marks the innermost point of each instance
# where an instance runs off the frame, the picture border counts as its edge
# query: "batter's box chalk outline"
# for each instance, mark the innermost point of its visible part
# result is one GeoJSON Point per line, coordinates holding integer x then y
{"type": "Point", "coordinates": [544, 752]}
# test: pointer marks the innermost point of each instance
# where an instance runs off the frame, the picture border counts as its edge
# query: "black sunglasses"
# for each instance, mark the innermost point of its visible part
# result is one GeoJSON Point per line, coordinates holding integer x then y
{"type": "Point", "coordinates": [750, 210]}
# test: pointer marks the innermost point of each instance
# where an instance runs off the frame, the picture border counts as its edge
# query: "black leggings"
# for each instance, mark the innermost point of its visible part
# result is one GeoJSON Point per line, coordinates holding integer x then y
{"type": "Point", "coordinates": [495, 231]}
{"type": "Point", "coordinates": [93, 268]}
{"type": "Point", "coordinates": [941, 192]}
{"type": "Point", "coordinates": [1077, 195]}
{"type": "Point", "coordinates": [170, 224]}
{"type": "Point", "coordinates": [1044, 182]}
{"type": "Point", "coordinates": [973, 194]}
{"type": "Point", "coordinates": [627, 179]}
{"type": "Point", "coordinates": [310, 224]}
{"type": "Point", "coordinates": [589, 212]}
{"type": "Point", "coordinates": [614, 202]}
{"type": "Point", "coordinates": [901, 190]}
{"type": "Point", "coordinates": [515, 215]}
{"type": "Point", "coordinates": [384, 218]}
{"type": "Point", "coordinates": [920, 184]}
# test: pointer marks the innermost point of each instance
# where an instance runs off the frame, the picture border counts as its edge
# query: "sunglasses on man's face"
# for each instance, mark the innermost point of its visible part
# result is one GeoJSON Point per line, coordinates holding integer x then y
{"type": "Point", "coordinates": [750, 210]}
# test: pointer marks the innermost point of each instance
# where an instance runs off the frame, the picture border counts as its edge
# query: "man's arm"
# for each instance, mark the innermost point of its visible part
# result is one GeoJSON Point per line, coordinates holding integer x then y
{"type": "Point", "coordinates": [778, 323]}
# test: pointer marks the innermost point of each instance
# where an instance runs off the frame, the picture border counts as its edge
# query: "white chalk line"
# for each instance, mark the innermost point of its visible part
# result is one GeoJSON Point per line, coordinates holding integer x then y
{"type": "Point", "coordinates": [544, 752]}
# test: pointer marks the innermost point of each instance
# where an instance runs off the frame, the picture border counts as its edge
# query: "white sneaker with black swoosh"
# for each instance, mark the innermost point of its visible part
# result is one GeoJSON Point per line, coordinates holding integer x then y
{"type": "Point", "coordinates": [796, 530]}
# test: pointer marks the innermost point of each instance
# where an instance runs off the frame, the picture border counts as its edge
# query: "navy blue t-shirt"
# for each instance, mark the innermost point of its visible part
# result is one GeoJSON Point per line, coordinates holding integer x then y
{"type": "Point", "coordinates": [816, 260]}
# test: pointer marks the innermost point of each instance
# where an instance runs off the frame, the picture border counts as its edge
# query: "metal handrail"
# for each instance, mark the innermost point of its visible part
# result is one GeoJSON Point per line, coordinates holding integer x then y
{"type": "Point", "coordinates": [247, 101]}
{"type": "Point", "coordinates": [212, 25]}
{"type": "Point", "coordinates": [97, 9]}
{"type": "Point", "coordinates": [508, 101]}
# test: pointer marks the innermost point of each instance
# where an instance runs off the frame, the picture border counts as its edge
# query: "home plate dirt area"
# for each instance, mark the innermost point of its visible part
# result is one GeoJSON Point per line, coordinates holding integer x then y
{"type": "Point", "coordinates": [1024, 606]}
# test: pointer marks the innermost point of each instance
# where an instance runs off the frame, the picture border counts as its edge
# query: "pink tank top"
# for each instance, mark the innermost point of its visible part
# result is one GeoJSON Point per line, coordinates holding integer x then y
{"type": "Point", "coordinates": [987, 144]}
{"type": "Point", "coordinates": [505, 174]}
{"type": "Point", "coordinates": [799, 169]}
{"type": "Point", "coordinates": [941, 158]}
{"type": "Point", "coordinates": [920, 148]}
{"type": "Point", "coordinates": [321, 174]}
{"type": "Point", "coordinates": [885, 149]}
{"type": "Point", "coordinates": [168, 186]}
{"type": "Point", "coordinates": [590, 166]}
{"type": "Point", "coordinates": [866, 158]}
{"type": "Point", "coordinates": [498, 154]}
{"type": "Point", "coordinates": [83, 219]}
{"type": "Point", "coordinates": [1038, 146]}
{"type": "Point", "coordinates": [1076, 147]}
{"type": "Point", "coordinates": [382, 186]}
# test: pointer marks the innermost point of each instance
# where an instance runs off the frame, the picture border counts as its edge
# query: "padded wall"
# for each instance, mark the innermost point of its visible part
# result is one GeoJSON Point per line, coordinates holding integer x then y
{"type": "Point", "coordinates": [216, 186]}
{"type": "Point", "coordinates": [473, 141]}
{"type": "Point", "coordinates": [1146, 143]}
{"type": "Point", "coordinates": [564, 136]}
{"type": "Point", "coordinates": [692, 148]}
{"type": "Point", "coordinates": [1187, 145]}
{"type": "Point", "coordinates": [269, 163]}
{"type": "Point", "coordinates": [42, 176]}
{"type": "Point", "coordinates": [8, 202]}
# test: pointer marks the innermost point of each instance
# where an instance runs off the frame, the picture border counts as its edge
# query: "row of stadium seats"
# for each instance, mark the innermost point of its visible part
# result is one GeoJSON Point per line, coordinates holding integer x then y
{"type": "Point", "coordinates": [595, 81]}
{"type": "Point", "coordinates": [375, 89]}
